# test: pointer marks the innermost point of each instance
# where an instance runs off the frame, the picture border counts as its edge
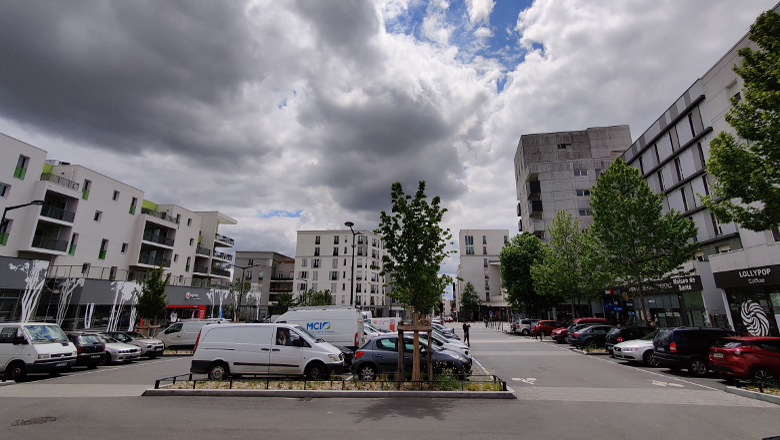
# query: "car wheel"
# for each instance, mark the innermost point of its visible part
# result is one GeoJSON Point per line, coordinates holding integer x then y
{"type": "Point", "coordinates": [765, 376]}
{"type": "Point", "coordinates": [649, 359]}
{"type": "Point", "coordinates": [591, 343]}
{"type": "Point", "coordinates": [526, 332]}
{"type": "Point", "coordinates": [16, 371]}
{"type": "Point", "coordinates": [315, 371]}
{"type": "Point", "coordinates": [152, 356]}
{"type": "Point", "coordinates": [367, 372]}
{"type": "Point", "coordinates": [560, 341]}
{"type": "Point", "coordinates": [697, 367]}
{"type": "Point", "coordinates": [107, 359]}
{"type": "Point", "coordinates": [218, 371]}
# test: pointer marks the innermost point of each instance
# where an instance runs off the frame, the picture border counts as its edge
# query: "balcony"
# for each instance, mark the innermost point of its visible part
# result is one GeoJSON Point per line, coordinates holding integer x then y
{"type": "Point", "coordinates": [227, 241]}
{"type": "Point", "coordinates": [154, 261]}
{"type": "Point", "coordinates": [61, 181]}
{"type": "Point", "coordinates": [50, 243]}
{"type": "Point", "coordinates": [57, 213]}
{"type": "Point", "coordinates": [534, 189]}
{"type": "Point", "coordinates": [220, 272]}
{"type": "Point", "coordinates": [282, 278]}
{"type": "Point", "coordinates": [223, 256]}
{"type": "Point", "coordinates": [203, 251]}
{"type": "Point", "coordinates": [160, 215]}
{"type": "Point", "coordinates": [535, 208]}
{"type": "Point", "coordinates": [201, 269]}
{"type": "Point", "coordinates": [156, 238]}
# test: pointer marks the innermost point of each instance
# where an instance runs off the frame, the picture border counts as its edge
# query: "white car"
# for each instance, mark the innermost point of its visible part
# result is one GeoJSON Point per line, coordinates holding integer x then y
{"type": "Point", "coordinates": [150, 347]}
{"type": "Point", "coordinates": [119, 352]}
{"type": "Point", "coordinates": [372, 331]}
{"type": "Point", "coordinates": [637, 350]}
{"type": "Point", "coordinates": [456, 346]}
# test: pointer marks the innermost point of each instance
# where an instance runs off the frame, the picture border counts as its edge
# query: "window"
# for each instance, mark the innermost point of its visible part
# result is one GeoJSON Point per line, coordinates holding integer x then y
{"type": "Point", "coordinates": [133, 204]}
{"type": "Point", "coordinates": [469, 240]}
{"type": "Point", "coordinates": [737, 97]}
{"type": "Point", "coordinates": [469, 250]}
{"type": "Point", "coordinates": [192, 242]}
{"type": "Point", "coordinates": [302, 287]}
{"type": "Point", "coordinates": [583, 192]}
{"type": "Point", "coordinates": [506, 238]}
{"type": "Point", "coordinates": [487, 284]}
{"type": "Point", "coordinates": [360, 250]}
{"type": "Point", "coordinates": [580, 173]}
{"type": "Point", "coordinates": [661, 181]}
{"type": "Point", "coordinates": [98, 216]}
{"type": "Point", "coordinates": [303, 274]}
{"type": "Point", "coordinates": [333, 287]}
{"type": "Point", "coordinates": [715, 225]}
{"type": "Point", "coordinates": [706, 185]}
{"type": "Point", "coordinates": [484, 250]}
{"type": "Point", "coordinates": [103, 249]}
{"type": "Point", "coordinates": [485, 262]}
{"type": "Point", "coordinates": [4, 190]}
{"type": "Point", "coordinates": [85, 189]}
{"type": "Point", "coordinates": [115, 197]}
{"type": "Point", "coordinates": [303, 262]}
{"type": "Point", "coordinates": [343, 288]}
{"type": "Point", "coordinates": [85, 268]}
{"type": "Point", "coordinates": [178, 218]}
{"type": "Point", "coordinates": [722, 248]}
{"type": "Point", "coordinates": [335, 251]}
{"type": "Point", "coordinates": [360, 239]}
{"type": "Point", "coordinates": [124, 248]}
{"type": "Point", "coordinates": [586, 212]}
{"type": "Point", "coordinates": [317, 240]}
{"type": "Point", "coordinates": [373, 242]}
{"type": "Point", "coordinates": [260, 275]}
{"type": "Point", "coordinates": [685, 200]}
{"type": "Point", "coordinates": [187, 268]}
{"type": "Point", "coordinates": [316, 252]}
{"type": "Point", "coordinates": [74, 240]}
{"type": "Point", "coordinates": [598, 172]}
{"type": "Point", "coordinates": [358, 288]}
{"type": "Point", "coordinates": [335, 239]}
{"type": "Point", "coordinates": [21, 167]}
{"type": "Point", "coordinates": [564, 146]}
{"type": "Point", "coordinates": [343, 298]}
{"type": "Point", "coordinates": [776, 234]}
{"type": "Point", "coordinates": [678, 168]}
{"type": "Point", "coordinates": [315, 262]}
{"type": "Point", "coordinates": [690, 123]}
{"type": "Point", "coordinates": [189, 222]}
{"type": "Point", "coordinates": [641, 166]}
{"type": "Point", "coordinates": [335, 263]}
{"type": "Point", "coordinates": [315, 276]}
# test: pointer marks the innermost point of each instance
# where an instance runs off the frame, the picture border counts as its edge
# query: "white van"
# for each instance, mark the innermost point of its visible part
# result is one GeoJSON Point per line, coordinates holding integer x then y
{"type": "Point", "coordinates": [185, 332]}
{"type": "Point", "coordinates": [34, 347]}
{"type": "Point", "coordinates": [263, 349]}
{"type": "Point", "coordinates": [339, 325]}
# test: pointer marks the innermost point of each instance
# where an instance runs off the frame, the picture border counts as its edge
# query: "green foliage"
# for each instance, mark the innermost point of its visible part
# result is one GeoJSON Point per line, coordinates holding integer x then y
{"type": "Point", "coordinates": [284, 301]}
{"type": "Point", "coordinates": [415, 244]}
{"type": "Point", "coordinates": [516, 259]}
{"type": "Point", "coordinates": [747, 168]}
{"type": "Point", "coordinates": [637, 244]}
{"type": "Point", "coordinates": [151, 299]}
{"type": "Point", "coordinates": [315, 298]}
{"type": "Point", "coordinates": [239, 290]}
{"type": "Point", "coordinates": [469, 300]}
{"type": "Point", "coordinates": [570, 266]}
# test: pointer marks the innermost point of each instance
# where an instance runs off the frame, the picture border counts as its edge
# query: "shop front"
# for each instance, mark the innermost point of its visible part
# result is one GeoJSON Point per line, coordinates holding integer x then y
{"type": "Point", "coordinates": [753, 296]}
{"type": "Point", "coordinates": [676, 302]}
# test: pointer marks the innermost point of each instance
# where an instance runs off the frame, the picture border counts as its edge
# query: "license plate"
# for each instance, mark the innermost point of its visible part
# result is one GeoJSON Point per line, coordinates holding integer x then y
{"type": "Point", "coordinates": [60, 364]}
{"type": "Point", "coordinates": [660, 349]}
{"type": "Point", "coordinates": [95, 356]}
{"type": "Point", "coordinates": [717, 355]}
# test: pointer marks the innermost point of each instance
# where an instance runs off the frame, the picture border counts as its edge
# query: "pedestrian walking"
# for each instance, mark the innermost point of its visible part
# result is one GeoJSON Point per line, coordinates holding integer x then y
{"type": "Point", "coordinates": [466, 339]}
{"type": "Point", "coordinates": [486, 322]}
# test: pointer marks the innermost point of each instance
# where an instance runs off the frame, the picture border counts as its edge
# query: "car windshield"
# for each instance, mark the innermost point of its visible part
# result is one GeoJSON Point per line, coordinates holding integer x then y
{"type": "Point", "coordinates": [300, 329]}
{"type": "Point", "coordinates": [89, 339]}
{"type": "Point", "coordinates": [614, 331]}
{"type": "Point", "coordinates": [649, 336]}
{"type": "Point", "coordinates": [45, 334]}
{"type": "Point", "coordinates": [136, 335]}
{"type": "Point", "coordinates": [106, 338]}
{"type": "Point", "coordinates": [579, 328]}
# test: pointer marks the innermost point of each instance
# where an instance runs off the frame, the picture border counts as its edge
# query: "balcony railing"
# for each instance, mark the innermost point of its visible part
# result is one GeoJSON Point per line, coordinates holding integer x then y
{"type": "Point", "coordinates": [224, 239]}
{"type": "Point", "coordinates": [154, 261]}
{"type": "Point", "coordinates": [156, 238]}
{"type": "Point", "coordinates": [201, 269]}
{"type": "Point", "coordinates": [42, 242]}
{"type": "Point", "coordinates": [203, 251]}
{"type": "Point", "coordinates": [223, 256]}
{"type": "Point", "coordinates": [282, 278]}
{"type": "Point", "coordinates": [61, 181]}
{"type": "Point", "coordinates": [220, 272]}
{"type": "Point", "coordinates": [57, 213]}
{"type": "Point", "coordinates": [160, 215]}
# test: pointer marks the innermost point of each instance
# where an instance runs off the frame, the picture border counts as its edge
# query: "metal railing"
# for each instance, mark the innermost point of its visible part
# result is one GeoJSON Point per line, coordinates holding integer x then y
{"type": "Point", "coordinates": [154, 261]}
{"type": "Point", "coordinates": [42, 242]}
{"type": "Point", "coordinates": [57, 213]}
{"type": "Point", "coordinates": [160, 215]}
{"type": "Point", "coordinates": [452, 384]}
{"type": "Point", "coordinates": [203, 251]}
{"type": "Point", "coordinates": [223, 256]}
{"type": "Point", "coordinates": [201, 269]}
{"type": "Point", "coordinates": [61, 181]}
{"type": "Point", "coordinates": [224, 239]}
{"type": "Point", "coordinates": [156, 238]}
{"type": "Point", "coordinates": [220, 272]}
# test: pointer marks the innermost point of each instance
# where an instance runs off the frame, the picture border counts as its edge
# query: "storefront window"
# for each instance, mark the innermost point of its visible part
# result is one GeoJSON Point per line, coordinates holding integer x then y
{"type": "Point", "coordinates": [755, 311]}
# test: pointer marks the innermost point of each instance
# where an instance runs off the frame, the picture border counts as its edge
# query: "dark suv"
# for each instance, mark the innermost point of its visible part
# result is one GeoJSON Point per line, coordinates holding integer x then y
{"type": "Point", "coordinates": [687, 347]}
{"type": "Point", "coordinates": [622, 334]}
{"type": "Point", "coordinates": [90, 349]}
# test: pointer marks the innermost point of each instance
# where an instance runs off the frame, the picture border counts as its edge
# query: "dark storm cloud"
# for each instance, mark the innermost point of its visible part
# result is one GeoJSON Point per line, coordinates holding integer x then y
{"type": "Point", "coordinates": [128, 75]}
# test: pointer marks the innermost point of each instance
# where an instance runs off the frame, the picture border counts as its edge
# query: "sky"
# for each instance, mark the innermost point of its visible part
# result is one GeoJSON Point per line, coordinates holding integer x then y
{"type": "Point", "coordinates": [298, 115]}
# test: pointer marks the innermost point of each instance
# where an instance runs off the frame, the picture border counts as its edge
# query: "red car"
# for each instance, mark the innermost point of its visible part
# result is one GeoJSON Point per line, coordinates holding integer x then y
{"type": "Point", "coordinates": [754, 358]}
{"type": "Point", "coordinates": [544, 327]}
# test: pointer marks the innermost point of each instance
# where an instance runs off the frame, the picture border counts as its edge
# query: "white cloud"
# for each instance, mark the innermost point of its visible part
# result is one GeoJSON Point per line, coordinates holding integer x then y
{"type": "Point", "coordinates": [479, 10]}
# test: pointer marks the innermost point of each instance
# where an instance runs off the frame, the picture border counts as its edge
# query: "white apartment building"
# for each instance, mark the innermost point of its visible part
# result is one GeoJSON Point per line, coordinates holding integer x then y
{"type": "Point", "coordinates": [737, 272]}
{"type": "Point", "coordinates": [269, 273]}
{"type": "Point", "coordinates": [84, 225]}
{"type": "Point", "coordinates": [323, 261]}
{"type": "Point", "coordinates": [555, 171]}
{"type": "Point", "coordinates": [479, 264]}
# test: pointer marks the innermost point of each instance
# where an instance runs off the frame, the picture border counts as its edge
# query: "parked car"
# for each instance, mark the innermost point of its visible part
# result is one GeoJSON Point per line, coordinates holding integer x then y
{"type": "Point", "coordinates": [380, 356]}
{"type": "Point", "coordinates": [559, 334]}
{"type": "Point", "coordinates": [637, 350]}
{"type": "Point", "coordinates": [449, 319]}
{"type": "Point", "coordinates": [443, 329]}
{"type": "Point", "coordinates": [183, 334]}
{"type": "Point", "coordinates": [340, 325]}
{"type": "Point", "coordinates": [523, 326]}
{"type": "Point", "coordinates": [118, 351]}
{"type": "Point", "coordinates": [91, 350]}
{"type": "Point", "coordinates": [622, 334]}
{"type": "Point", "coordinates": [747, 357]}
{"type": "Point", "coordinates": [455, 346]}
{"type": "Point", "coordinates": [452, 337]}
{"type": "Point", "coordinates": [544, 327]}
{"type": "Point", "coordinates": [687, 347]}
{"type": "Point", "coordinates": [34, 347]}
{"type": "Point", "coordinates": [372, 331]}
{"type": "Point", "coordinates": [150, 347]}
{"type": "Point", "coordinates": [223, 350]}
{"type": "Point", "coordinates": [592, 336]}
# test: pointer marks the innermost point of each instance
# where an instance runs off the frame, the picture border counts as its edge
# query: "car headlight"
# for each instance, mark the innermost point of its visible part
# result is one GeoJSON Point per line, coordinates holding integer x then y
{"type": "Point", "coordinates": [334, 357]}
{"type": "Point", "coordinates": [148, 345]}
{"type": "Point", "coordinates": [629, 349]}
{"type": "Point", "coordinates": [44, 356]}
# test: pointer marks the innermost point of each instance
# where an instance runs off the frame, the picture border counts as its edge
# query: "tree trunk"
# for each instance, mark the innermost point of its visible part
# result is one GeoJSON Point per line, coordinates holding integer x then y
{"type": "Point", "coordinates": [416, 353]}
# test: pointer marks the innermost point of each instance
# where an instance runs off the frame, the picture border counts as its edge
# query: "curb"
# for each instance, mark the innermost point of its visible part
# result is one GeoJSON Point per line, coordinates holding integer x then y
{"type": "Point", "coordinates": [590, 353]}
{"type": "Point", "coordinates": [7, 382]}
{"type": "Point", "coordinates": [753, 395]}
{"type": "Point", "coordinates": [509, 394]}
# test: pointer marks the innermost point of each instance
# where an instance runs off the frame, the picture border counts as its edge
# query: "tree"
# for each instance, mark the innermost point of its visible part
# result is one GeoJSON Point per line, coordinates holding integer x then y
{"type": "Point", "coordinates": [415, 244]}
{"type": "Point", "coordinates": [239, 289]}
{"type": "Point", "coordinates": [469, 300]}
{"type": "Point", "coordinates": [747, 168]}
{"type": "Point", "coordinates": [637, 244]}
{"type": "Point", "coordinates": [315, 298]}
{"type": "Point", "coordinates": [516, 259]}
{"type": "Point", "coordinates": [151, 299]}
{"type": "Point", "coordinates": [284, 301]}
{"type": "Point", "coordinates": [569, 267]}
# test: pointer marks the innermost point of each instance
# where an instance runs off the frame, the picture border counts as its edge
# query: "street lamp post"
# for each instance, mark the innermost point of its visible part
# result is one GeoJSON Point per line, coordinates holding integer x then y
{"type": "Point", "coordinates": [11, 208]}
{"type": "Point", "coordinates": [352, 271]}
